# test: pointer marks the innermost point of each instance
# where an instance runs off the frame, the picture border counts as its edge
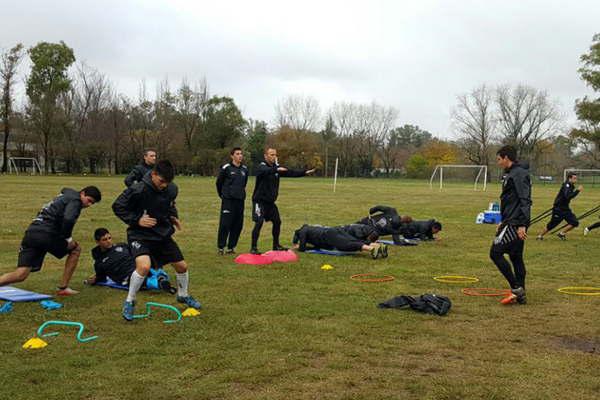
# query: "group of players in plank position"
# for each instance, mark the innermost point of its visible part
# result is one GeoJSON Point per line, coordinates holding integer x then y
{"type": "Point", "coordinates": [147, 206]}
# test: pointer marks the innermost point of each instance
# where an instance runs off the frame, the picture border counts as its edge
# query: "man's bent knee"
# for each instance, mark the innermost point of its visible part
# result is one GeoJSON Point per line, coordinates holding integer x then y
{"type": "Point", "coordinates": [180, 266]}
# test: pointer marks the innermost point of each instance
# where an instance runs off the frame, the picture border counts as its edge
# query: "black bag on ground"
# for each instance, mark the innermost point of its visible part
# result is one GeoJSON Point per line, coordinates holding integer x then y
{"type": "Point", "coordinates": [426, 303]}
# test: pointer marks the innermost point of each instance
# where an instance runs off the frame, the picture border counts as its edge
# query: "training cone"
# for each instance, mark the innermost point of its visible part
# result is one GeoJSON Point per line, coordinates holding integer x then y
{"type": "Point", "coordinates": [190, 312]}
{"type": "Point", "coordinates": [282, 256]}
{"type": "Point", "coordinates": [35, 343]}
{"type": "Point", "coordinates": [326, 267]}
{"type": "Point", "coordinates": [253, 259]}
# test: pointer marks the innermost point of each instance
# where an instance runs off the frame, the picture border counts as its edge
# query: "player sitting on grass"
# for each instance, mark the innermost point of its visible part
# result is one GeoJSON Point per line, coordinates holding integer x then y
{"type": "Point", "coordinates": [50, 232]}
{"type": "Point", "coordinates": [148, 207]}
{"type": "Point", "coordinates": [115, 262]}
{"type": "Point", "coordinates": [355, 237]}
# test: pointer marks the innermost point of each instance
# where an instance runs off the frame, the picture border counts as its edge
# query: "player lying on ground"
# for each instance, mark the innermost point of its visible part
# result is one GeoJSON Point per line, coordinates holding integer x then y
{"type": "Point", "coordinates": [115, 261]}
{"type": "Point", "coordinates": [355, 237]}
{"type": "Point", "coordinates": [422, 230]}
{"type": "Point", "coordinates": [50, 232]}
{"type": "Point", "coordinates": [386, 221]}
{"type": "Point", "coordinates": [561, 210]}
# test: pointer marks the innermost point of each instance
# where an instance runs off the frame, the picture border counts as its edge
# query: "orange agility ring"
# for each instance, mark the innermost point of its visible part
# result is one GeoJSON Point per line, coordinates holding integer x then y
{"type": "Point", "coordinates": [376, 278]}
{"type": "Point", "coordinates": [472, 291]}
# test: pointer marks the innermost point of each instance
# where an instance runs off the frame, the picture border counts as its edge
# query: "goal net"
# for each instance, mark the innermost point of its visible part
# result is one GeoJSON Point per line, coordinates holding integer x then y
{"type": "Point", "coordinates": [28, 165]}
{"type": "Point", "coordinates": [463, 173]}
{"type": "Point", "coordinates": [584, 176]}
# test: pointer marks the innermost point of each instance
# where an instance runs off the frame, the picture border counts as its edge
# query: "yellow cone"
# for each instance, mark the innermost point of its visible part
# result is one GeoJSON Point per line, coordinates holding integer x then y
{"type": "Point", "coordinates": [190, 312]}
{"type": "Point", "coordinates": [326, 267]}
{"type": "Point", "coordinates": [35, 343]}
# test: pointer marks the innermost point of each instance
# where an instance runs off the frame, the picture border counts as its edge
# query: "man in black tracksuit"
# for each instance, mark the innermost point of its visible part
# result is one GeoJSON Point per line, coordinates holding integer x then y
{"type": "Point", "coordinates": [386, 221]}
{"type": "Point", "coordinates": [515, 207]}
{"type": "Point", "coordinates": [422, 230]}
{"type": "Point", "coordinates": [148, 208]}
{"type": "Point", "coordinates": [231, 187]}
{"type": "Point", "coordinates": [265, 194]}
{"type": "Point", "coordinates": [51, 232]}
{"type": "Point", "coordinates": [354, 237]}
{"type": "Point", "coordinates": [561, 210]}
{"type": "Point", "coordinates": [138, 172]}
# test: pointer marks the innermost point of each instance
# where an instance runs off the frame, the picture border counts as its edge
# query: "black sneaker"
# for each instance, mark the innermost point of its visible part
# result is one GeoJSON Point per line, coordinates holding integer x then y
{"type": "Point", "coordinates": [280, 248]}
{"type": "Point", "coordinates": [230, 251]}
{"type": "Point", "coordinates": [220, 252]}
{"type": "Point", "coordinates": [562, 236]}
{"type": "Point", "coordinates": [521, 295]}
{"type": "Point", "coordinates": [254, 250]}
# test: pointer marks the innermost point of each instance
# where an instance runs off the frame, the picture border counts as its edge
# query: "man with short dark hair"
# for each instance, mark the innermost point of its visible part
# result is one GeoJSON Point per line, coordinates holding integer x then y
{"type": "Point", "coordinates": [561, 211]}
{"type": "Point", "coordinates": [422, 230]}
{"type": "Point", "coordinates": [386, 221]}
{"type": "Point", "coordinates": [148, 208]}
{"type": "Point", "coordinates": [515, 207]}
{"type": "Point", "coordinates": [265, 194]}
{"type": "Point", "coordinates": [138, 172]}
{"type": "Point", "coordinates": [51, 232]}
{"type": "Point", "coordinates": [231, 187]}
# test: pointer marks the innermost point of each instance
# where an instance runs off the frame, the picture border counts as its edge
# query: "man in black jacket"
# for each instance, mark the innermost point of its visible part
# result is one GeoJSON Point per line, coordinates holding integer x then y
{"type": "Point", "coordinates": [51, 232]}
{"type": "Point", "coordinates": [515, 207]}
{"type": "Point", "coordinates": [561, 210]}
{"type": "Point", "coordinates": [265, 194]}
{"type": "Point", "coordinates": [422, 230]}
{"type": "Point", "coordinates": [138, 172]}
{"type": "Point", "coordinates": [148, 208]}
{"type": "Point", "coordinates": [354, 237]}
{"type": "Point", "coordinates": [231, 187]}
{"type": "Point", "coordinates": [386, 221]}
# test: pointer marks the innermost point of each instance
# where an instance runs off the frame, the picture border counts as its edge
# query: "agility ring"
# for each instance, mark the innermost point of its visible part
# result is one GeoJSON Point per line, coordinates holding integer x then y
{"type": "Point", "coordinates": [581, 290]}
{"type": "Point", "coordinates": [487, 292]}
{"type": "Point", "coordinates": [456, 279]}
{"type": "Point", "coordinates": [365, 278]}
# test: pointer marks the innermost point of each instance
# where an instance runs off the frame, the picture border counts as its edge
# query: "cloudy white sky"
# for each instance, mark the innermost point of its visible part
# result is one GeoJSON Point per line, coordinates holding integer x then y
{"type": "Point", "coordinates": [413, 55]}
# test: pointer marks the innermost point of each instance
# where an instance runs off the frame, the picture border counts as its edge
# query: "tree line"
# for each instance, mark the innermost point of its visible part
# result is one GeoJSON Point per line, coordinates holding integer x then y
{"type": "Point", "coordinates": [74, 120]}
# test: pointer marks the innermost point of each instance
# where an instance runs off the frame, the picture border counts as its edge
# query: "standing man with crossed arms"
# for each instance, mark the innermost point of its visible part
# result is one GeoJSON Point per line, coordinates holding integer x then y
{"type": "Point", "coordinates": [138, 172]}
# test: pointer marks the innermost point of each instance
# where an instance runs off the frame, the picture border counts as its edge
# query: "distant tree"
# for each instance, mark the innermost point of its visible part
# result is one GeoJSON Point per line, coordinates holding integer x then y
{"type": "Point", "coordinates": [9, 62]}
{"type": "Point", "coordinates": [439, 152]}
{"type": "Point", "coordinates": [256, 139]}
{"type": "Point", "coordinates": [296, 148]}
{"type": "Point", "coordinates": [417, 166]}
{"type": "Point", "coordinates": [223, 124]}
{"type": "Point", "coordinates": [410, 136]}
{"type": "Point", "coordinates": [301, 113]}
{"type": "Point", "coordinates": [46, 82]}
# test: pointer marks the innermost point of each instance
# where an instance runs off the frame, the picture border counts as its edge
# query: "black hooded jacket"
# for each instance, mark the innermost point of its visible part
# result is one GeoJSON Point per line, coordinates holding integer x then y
{"type": "Point", "coordinates": [115, 263]}
{"type": "Point", "coordinates": [266, 188]}
{"type": "Point", "coordinates": [144, 197]}
{"type": "Point", "coordinates": [565, 195]}
{"type": "Point", "coordinates": [231, 182]}
{"type": "Point", "coordinates": [515, 200]}
{"type": "Point", "coordinates": [419, 230]}
{"type": "Point", "coordinates": [325, 237]}
{"type": "Point", "coordinates": [386, 222]}
{"type": "Point", "coordinates": [137, 173]}
{"type": "Point", "coordinates": [59, 216]}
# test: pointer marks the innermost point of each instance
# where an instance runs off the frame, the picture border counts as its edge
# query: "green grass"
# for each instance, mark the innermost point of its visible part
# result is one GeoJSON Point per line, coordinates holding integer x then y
{"type": "Point", "coordinates": [293, 331]}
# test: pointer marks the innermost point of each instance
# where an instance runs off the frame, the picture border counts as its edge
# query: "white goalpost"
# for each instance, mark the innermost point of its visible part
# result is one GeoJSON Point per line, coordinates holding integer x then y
{"type": "Point", "coordinates": [23, 162]}
{"type": "Point", "coordinates": [439, 169]}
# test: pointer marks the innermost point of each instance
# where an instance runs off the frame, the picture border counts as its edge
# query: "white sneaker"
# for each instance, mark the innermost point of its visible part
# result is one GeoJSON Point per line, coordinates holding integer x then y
{"type": "Point", "coordinates": [586, 231]}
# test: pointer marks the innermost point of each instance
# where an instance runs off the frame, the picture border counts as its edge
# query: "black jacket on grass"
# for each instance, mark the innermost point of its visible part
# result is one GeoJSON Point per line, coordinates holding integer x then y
{"type": "Point", "coordinates": [344, 238]}
{"type": "Point", "coordinates": [386, 222]}
{"type": "Point", "coordinates": [422, 230]}
{"type": "Point", "coordinates": [515, 200]}
{"type": "Point", "coordinates": [231, 182]}
{"type": "Point", "coordinates": [59, 216]}
{"type": "Point", "coordinates": [137, 173]}
{"type": "Point", "coordinates": [115, 263]}
{"type": "Point", "coordinates": [266, 188]}
{"type": "Point", "coordinates": [565, 195]}
{"type": "Point", "coordinates": [144, 197]}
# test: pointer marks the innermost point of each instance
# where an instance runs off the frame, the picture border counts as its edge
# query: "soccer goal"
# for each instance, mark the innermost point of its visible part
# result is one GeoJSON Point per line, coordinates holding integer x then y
{"type": "Point", "coordinates": [24, 164]}
{"type": "Point", "coordinates": [584, 176]}
{"type": "Point", "coordinates": [476, 172]}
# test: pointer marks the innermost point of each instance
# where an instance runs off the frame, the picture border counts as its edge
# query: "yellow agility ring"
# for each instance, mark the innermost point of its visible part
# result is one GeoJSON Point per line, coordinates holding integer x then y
{"type": "Point", "coordinates": [456, 279]}
{"type": "Point", "coordinates": [581, 290]}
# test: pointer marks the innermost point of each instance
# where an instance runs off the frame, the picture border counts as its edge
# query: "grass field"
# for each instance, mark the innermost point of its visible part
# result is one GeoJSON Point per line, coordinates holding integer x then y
{"type": "Point", "coordinates": [293, 331]}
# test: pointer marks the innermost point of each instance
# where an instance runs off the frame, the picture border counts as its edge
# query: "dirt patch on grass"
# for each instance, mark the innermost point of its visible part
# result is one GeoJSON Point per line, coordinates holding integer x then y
{"type": "Point", "coordinates": [585, 345]}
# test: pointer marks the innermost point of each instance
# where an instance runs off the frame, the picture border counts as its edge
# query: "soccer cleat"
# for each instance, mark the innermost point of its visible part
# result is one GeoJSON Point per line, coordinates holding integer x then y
{"type": "Point", "coordinates": [230, 251]}
{"type": "Point", "coordinates": [128, 309]}
{"type": "Point", "coordinates": [510, 299]}
{"type": "Point", "coordinates": [521, 296]}
{"type": "Point", "coordinates": [375, 253]}
{"type": "Point", "coordinates": [586, 231]}
{"type": "Point", "coordinates": [66, 291]}
{"type": "Point", "coordinates": [190, 302]}
{"type": "Point", "coordinates": [280, 248]}
{"type": "Point", "coordinates": [539, 237]}
{"type": "Point", "coordinates": [220, 252]}
{"type": "Point", "coordinates": [384, 251]}
{"type": "Point", "coordinates": [562, 236]}
{"type": "Point", "coordinates": [254, 250]}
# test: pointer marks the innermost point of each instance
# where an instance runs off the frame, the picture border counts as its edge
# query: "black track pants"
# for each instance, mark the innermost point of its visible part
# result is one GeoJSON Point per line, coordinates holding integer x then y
{"type": "Point", "coordinates": [230, 223]}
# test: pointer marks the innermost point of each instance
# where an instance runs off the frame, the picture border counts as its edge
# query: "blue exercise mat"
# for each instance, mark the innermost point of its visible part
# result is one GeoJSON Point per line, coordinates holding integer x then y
{"type": "Point", "coordinates": [331, 252]}
{"type": "Point", "coordinates": [10, 293]}
{"type": "Point", "coordinates": [112, 284]}
{"type": "Point", "coordinates": [403, 242]}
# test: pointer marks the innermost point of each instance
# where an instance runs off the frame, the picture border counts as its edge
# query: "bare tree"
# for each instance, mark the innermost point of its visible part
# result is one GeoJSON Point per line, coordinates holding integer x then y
{"type": "Point", "coordinates": [526, 116]}
{"type": "Point", "coordinates": [191, 105]}
{"type": "Point", "coordinates": [302, 113]}
{"type": "Point", "coordinates": [9, 62]}
{"type": "Point", "coordinates": [474, 123]}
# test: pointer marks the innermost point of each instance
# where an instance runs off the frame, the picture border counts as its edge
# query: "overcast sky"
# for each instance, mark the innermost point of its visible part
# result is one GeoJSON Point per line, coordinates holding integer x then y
{"type": "Point", "coordinates": [416, 56]}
